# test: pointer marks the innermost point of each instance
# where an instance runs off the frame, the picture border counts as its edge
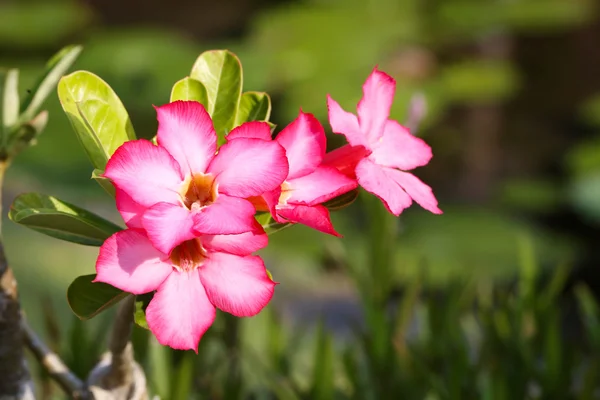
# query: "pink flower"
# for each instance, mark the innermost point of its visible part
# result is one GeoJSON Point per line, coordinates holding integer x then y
{"type": "Point", "coordinates": [308, 183]}
{"type": "Point", "coordinates": [379, 149]}
{"type": "Point", "coordinates": [183, 188]}
{"type": "Point", "coordinates": [199, 275]}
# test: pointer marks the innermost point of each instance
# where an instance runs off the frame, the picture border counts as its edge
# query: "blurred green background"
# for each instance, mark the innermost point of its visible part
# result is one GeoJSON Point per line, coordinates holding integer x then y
{"type": "Point", "coordinates": [513, 99]}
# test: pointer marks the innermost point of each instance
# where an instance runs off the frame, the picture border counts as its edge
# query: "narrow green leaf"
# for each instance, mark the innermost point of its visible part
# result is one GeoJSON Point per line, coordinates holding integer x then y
{"type": "Point", "coordinates": [189, 89]}
{"type": "Point", "coordinates": [96, 114]}
{"type": "Point", "coordinates": [254, 106]}
{"type": "Point", "coordinates": [161, 370]}
{"type": "Point", "coordinates": [103, 182]}
{"type": "Point", "coordinates": [56, 67]}
{"type": "Point", "coordinates": [220, 71]}
{"type": "Point", "coordinates": [184, 378]}
{"type": "Point", "coordinates": [9, 99]}
{"type": "Point", "coordinates": [342, 201]}
{"type": "Point", "coordinates": [59, 219]}
{"type": "Point", "coordinates": [88, 299]}
{"type": "Point", "coordinates": [26, 134]}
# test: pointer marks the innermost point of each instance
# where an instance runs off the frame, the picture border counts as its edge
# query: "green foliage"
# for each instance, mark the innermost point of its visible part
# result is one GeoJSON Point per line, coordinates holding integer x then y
{"type": "Point", "coordinates": [88, 298]}
{"type": "Point", "coordinates": [254, 106]}
{"type": "Point", "coordinates": [59, 219]}
{"type": "Point", "coordinates": [220, 72]}
{"type": "Point", "coordinates": [189, 89]}
{"type": "Point", "coordinates": [96, 114]}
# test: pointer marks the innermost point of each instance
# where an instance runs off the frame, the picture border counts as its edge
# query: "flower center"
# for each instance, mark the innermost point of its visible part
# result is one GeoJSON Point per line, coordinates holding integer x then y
{"type": "Point", "coordinates": [201, 190]}
{"type": "Point", "coordinates": [286, 193]}
{"type": "Point", "coordinates": [188, 255]}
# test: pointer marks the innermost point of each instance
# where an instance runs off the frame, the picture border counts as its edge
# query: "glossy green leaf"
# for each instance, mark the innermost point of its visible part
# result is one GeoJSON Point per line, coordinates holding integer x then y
{"type": "Point", "coordinates": [88, 299]}
{"type": "Point", "coordinates": [9, 98]}
{"type": "Point", "coordinates": [189, 89]}
{"type": "Point", "coordinates": [342, 201]}
{"type": "Point", "coordinates": [55, 69]}
{"type": "Point", "coordinates": [59, 219]}
{"type": "Point", "coordinates": [220, 72]}
{"type": "Point", "coordinates": [96, 114]}
{"type": "Point", "coordinates": [323, 374]}
{"type": "Point", "coordinates": [254, 106]}
{"type": "Point", "coordinates": [103, 182]}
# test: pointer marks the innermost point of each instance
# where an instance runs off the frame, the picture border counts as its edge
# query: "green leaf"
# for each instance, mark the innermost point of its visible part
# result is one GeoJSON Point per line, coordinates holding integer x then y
{"type": "Point", "coordinates": [184, 378]}
{"type": "Point", "coordinates": [141, 303]}
{"type": "Point", "coordinates": [103, 182]}
{"type": "Point", "coordinates": [269, 224]}
{"type": "Point", "coordinates": [88, 299]}
{"type": "Point", "coordinates": [254, 106]}
{"type": "Point", "coordinates": [221, 73]}
{"type": "Point", "coordinates": [9, 98]}
{"type": "Point", "coordinates": [59, 219]}
{"type": "Point", "coordinates": [189, 89]}
{"type": "Point", "coordinates": [56, 67]}
{"type": "Point", "coordinates": [96, 114]}
{"type": "Point", "coordinates": [342, 201]}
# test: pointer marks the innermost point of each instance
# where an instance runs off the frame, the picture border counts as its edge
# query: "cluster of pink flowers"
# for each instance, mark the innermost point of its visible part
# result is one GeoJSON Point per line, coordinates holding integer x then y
{"type": "Point", "coordinates": [190, 206]}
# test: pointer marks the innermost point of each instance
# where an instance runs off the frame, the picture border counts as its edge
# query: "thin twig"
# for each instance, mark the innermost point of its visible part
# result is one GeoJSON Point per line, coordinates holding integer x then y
{"type": "Point", "coordinates": [119, 345]}
{"type": "Point", "coordinates": [52, 363]}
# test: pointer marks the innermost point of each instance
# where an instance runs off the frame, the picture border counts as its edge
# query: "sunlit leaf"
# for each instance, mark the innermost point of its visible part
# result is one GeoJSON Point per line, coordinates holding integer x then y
{"type": "Point", "coordinates": [220, 72]}
{"type": "Point", "coordinates": [61, 220]}
{"type": "Point", "coordinates": [96, 114]}
{"type": "Point", "coordinates": [141, 303]}
{"type": "Point", "coordinates": [254, 106]}
{"type": "Point", "coordinates": [87, 299]}
{"type": "Point", "coordinates": [189, 89]}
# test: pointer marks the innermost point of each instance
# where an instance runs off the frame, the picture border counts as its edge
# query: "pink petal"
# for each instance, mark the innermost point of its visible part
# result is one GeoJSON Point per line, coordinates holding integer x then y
{"type": "Point", "coordinates": [128, 261]}
{"type": "Point", "coordinates": [323, 184]}
{"type": "Point", "coordinates": [130, 210]}
{"type": "Point", "coordinates": [316, 217]}
{"type": "Point", "coordinates": [344, 123]}
{"type": "Point", "coordinates": [186, 131]}
{"type": "Point", "coordinates": [252, 130]}
{"type": "Point", "coordinates": [374, 107]}
{"type": "Point", "coordinates": [180, 311]}
{"type": "Point", "coordinates": [379, 181]}
{"type": "Point", "coordinates": [420, 192]}
{"type": "Point", "coordinates": [398, 148]}
{"type": "Point", "coordinates": [147, 173]}
{"type": "Point", "coordinates": [242, 245]}
{"type": "Point", "coordinates": [227, 215]}
{"type": "Point", "coordinates": [237, 285]}
{"type": "Point", "coordinates": [304, 144]}
{"type": "Point", "coordinates": [249, 167]}
{"type": "Point", "coordinates": [168, 225]}
{"type": "Point", "coordinates": [345, 158]}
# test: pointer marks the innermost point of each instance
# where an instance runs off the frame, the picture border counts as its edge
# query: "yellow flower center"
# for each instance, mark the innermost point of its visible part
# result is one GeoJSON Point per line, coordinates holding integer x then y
{"type": "Point", "coordinates": [199, 190]}
{"type": "Point", "coordinates": [188, 255]}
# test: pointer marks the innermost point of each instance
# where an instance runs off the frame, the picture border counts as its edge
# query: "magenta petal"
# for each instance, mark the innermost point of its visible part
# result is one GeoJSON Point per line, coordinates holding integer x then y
{"type": "Point", "coordinates": [316, 217]}
{"type": "Point", "coordinates": [227, 215]}
{"type": "Point", "coordinates": [237, 285]}
{"type": "Point", "coordinates": [344, 123]}
{"type": "Point", "coordinates": [147, 173]}
{"type": "Point", "coordinates": [249, 167]}
{"type": "Point", "coordinates": [420, 192]}
{"type": "Point", "coordinates": [345, 158]}
{"type": "Point", "coordinates": [323, 184]}
{"type": "Point", "coordinates": [398, 148]}
{"type": "Point", "coordinates": [130, 210]}
{"type": "Point", "coordinates": [168, 226]}
{"type": "Point", "coordinates": [252, 130]}
{"type": "Point", "coordinates": [242, 245]}
{"type": "Point", "coordinates": [374, 107]}
{"type": "Point", "coordinates": [128, 261]}
{"type": "Point", "coordinates": [186, 131]}
{"type": "Point", "coordinates": [380, 181]}
{"type": "Point", "coordinates": [180, 311]}
{"type": "Point", "coordinates": [304, 144]}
